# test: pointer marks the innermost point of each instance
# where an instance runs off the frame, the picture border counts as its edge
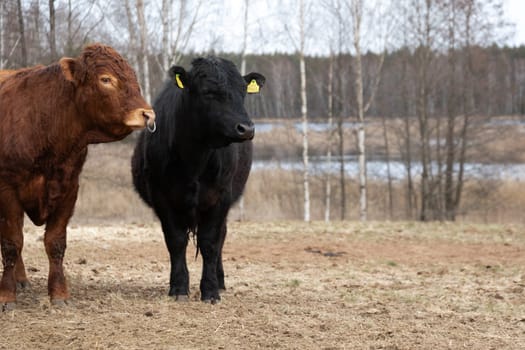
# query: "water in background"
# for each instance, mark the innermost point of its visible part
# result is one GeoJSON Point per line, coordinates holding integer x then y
{"type": "Point", "coordinates": [378, 170]}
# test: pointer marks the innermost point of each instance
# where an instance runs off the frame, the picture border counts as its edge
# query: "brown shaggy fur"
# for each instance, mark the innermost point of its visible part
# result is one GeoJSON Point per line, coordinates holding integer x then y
{"type": "Point", "coordinates": [48, 116]}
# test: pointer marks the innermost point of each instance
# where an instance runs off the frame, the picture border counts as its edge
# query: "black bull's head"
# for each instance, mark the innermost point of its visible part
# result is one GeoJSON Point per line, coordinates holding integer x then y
{"type": "Point", "coordinates": [216, 93]}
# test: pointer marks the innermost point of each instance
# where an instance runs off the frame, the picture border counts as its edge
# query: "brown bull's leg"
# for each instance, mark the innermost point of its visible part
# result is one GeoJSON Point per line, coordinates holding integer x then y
{"type": "Point", "coordinates": [55, 243]}
{"type": "Point", "coordinates": [11, 241]}
{"type": "Point", "coordinates": [20, 272]}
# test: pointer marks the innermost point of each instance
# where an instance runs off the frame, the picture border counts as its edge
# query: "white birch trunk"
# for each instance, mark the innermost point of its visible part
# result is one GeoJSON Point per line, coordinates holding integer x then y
{"type": "Point", "coordinates": [184, 31]}
{"type": "Point", "coordinates": [166, 20]}
{"type": "Point", "coordinates": [132, 38]}
{"type": "Point", "coordinates": [244, 38]}
{"type": "Point", "coordinates": [176, 43]}
{"type": "Point", "coordinates": [143, 49]}
{"type": "Point", "coordinates": [304, 113]}
{"type": "Point", "coordinates": [357, 17]}
{"type": "Point", "coordinates": [362, 172]}
{"type": "Point", "coordinates": [243, 72]}
{"type": "Point", "coordinates": [328, 188]}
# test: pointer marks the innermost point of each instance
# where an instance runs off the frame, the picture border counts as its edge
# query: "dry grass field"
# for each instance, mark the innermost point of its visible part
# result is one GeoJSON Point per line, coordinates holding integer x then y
{"type": "Point", "coordinates": [106, 194]}
{"type": "Point", "coordinates": [290, 285]}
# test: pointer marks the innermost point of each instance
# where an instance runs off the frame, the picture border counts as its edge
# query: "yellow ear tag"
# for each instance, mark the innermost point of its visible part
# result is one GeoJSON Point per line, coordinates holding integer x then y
{"type": "Point", "coordinates": [178, 81]}
{"type": "Point", "coordinates": [253, 87]}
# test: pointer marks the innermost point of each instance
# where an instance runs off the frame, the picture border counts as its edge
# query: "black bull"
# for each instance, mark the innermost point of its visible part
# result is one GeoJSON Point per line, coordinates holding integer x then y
{"type": "Point", "coordinates": [196, 165]}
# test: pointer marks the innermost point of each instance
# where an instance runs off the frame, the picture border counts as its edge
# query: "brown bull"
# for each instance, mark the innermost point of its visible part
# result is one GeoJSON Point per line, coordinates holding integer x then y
{"type": "Point", "coordinates": [5, 73]}
{"type": "Point", "coordinates": [48, 116]}
{"type": "Point", "coordinates": [8, 72]}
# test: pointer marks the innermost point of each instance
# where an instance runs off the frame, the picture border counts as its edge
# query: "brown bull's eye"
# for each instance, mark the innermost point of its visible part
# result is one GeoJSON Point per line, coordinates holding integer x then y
{"type": "Point", "coordinates": [105, 80]}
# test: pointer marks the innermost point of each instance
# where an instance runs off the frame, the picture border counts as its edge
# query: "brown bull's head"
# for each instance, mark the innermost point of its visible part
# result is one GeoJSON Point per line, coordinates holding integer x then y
{"type": "Point", "coordinates": [107, 91]}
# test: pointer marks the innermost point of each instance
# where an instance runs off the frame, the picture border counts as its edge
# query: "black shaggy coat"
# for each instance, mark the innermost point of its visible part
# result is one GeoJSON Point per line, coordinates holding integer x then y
{"type": "Point", "coordinates": [196, 165]}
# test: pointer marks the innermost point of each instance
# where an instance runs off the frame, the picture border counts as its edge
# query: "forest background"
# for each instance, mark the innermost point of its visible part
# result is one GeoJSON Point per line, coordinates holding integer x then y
{"type": "Point", "coordinates": [402, 110]}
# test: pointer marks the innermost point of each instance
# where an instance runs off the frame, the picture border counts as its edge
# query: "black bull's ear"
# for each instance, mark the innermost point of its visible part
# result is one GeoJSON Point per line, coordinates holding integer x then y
{"type": "Point", "coordinates": [255, 82]}
{"type": "Point", "coordinates": [179, 76]}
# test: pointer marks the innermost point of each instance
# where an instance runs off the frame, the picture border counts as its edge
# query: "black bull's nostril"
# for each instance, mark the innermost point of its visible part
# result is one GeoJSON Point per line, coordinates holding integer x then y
{"type": "Point", "coordinates": [245, 131]}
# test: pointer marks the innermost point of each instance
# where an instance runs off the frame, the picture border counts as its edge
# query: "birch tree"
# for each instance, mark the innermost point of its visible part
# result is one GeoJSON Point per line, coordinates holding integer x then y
{"type": "Point", "coordinates": [52, 30]}
{"type": "Point", "coordinates": [330, 107]}
{"type": "Point", "coordinates": [82, 21]}
{"type": "Point", "coordinates": [297, 37]}
{"type": "Point", "coordinates": [166, 18]}
{"type": "Point", "coordinates": [37, 27]}
{"type": "Point", "coordinates": [143, 47]}
{"type": "Point", "coordinates": [356, 11]}
{"type": "Point", "coordinates": [22, 33]}
{"type": "Point", "coordinates": [243, 72]}
{"type": "Point", "coordinates": [244, 37]}
{"type": "Point", "coordinates": [357, 15]}
{"type": "Point", "coordinates": [132, 35]}
{"type": "Point", "coordinates": [178, 29]}
{"type": "Point", "coordinates": [304, 112]}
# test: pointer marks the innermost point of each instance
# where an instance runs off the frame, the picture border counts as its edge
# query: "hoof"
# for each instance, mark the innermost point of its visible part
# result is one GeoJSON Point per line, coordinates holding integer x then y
{"type": "Point", "coordinates": [212, 301]}
{"type": "Point", "coordinates": [222, 290]}
{"type": "Point", "coordinates": [9, 306]}
{"type": "Point", "coordinates": [183, 298]}
{"type": "Point", "coordinates": [59, 302]}
{"type": "Point", "coordinates": [23, 285]}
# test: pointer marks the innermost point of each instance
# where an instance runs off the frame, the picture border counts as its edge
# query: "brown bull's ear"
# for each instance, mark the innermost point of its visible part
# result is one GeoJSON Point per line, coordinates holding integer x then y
{"type": "Point", "coordinates": [69, 67]}
{"type": "Point", "coordinates": [255, 82]}
{"type": "Point", "coordinates": [179, 76]}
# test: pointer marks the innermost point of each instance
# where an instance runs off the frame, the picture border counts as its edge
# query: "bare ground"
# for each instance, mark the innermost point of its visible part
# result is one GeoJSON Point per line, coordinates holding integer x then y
{"type": "Point", "coordinates": [290, 286]}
